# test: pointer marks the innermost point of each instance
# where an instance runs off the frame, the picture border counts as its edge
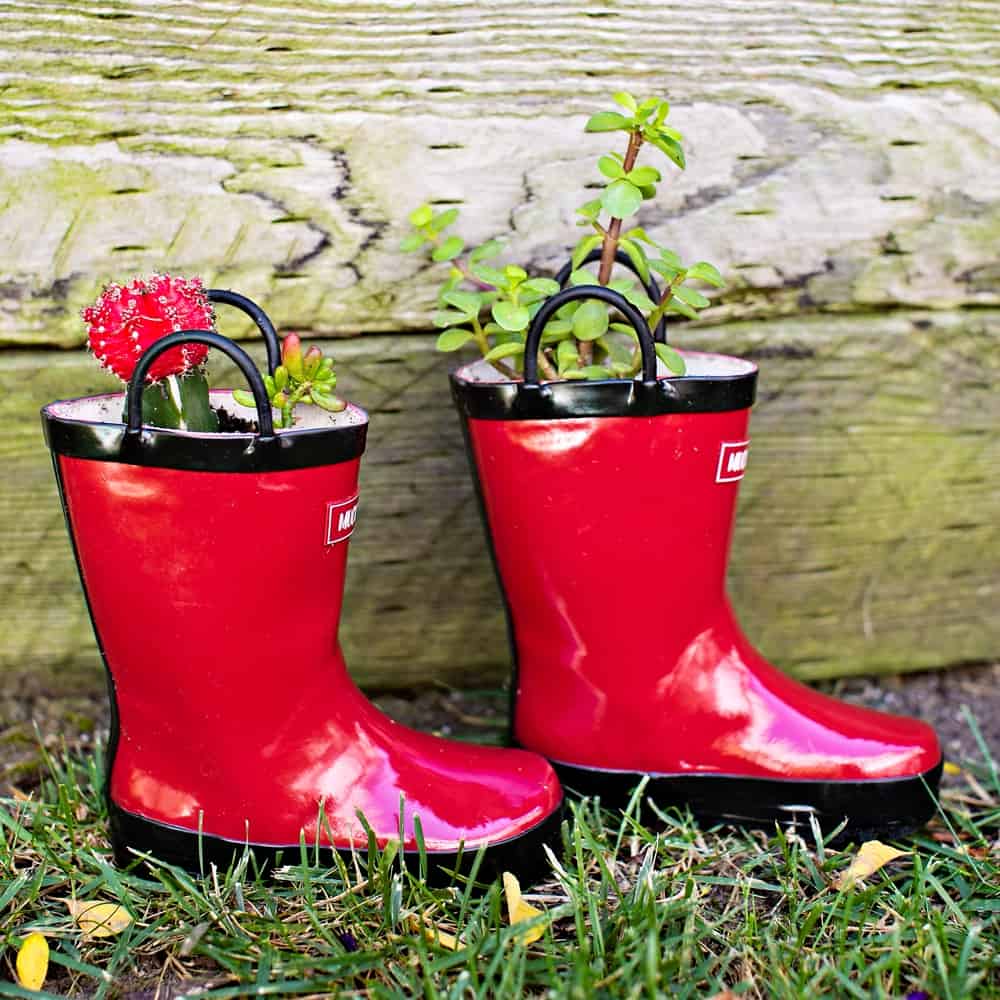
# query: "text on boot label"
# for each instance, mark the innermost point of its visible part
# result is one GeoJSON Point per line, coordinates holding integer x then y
{"type": "Point", "coordinates": [340, 518]}
{"type": "Point", "coordinates": [732, 461]}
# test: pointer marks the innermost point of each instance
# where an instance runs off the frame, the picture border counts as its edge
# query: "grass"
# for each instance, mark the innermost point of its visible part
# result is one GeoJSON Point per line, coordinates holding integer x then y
{"type": "Point", "coordinates": [632, 909]}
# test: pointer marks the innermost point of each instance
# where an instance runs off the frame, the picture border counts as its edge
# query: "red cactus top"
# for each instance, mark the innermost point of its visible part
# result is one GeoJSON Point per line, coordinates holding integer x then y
{"type": "Point", "coordinates": [126, 319]}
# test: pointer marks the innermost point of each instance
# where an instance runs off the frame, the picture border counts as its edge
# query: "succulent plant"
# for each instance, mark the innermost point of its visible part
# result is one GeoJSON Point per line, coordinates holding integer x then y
{"type": "Point", "coordinates": [492, 306]}
{"type": "Point", "coordinates": [300, 378]}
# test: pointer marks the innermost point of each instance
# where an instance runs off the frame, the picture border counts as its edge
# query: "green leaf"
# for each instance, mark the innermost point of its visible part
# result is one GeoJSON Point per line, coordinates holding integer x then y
{"type": "Point", "coordinates": [647, 107]}
{"type": "Point", "coordinates": [556, 330]}
{"type": "Point", "coordinates": [670, 147]}
{"type": "Point", "coordinates": [671, 359]}
{"type": "Point", "coordinates": [618, 353]}
{"type": "Point", "coordinates": [637, 233]}
{"type": "Point", "coordinates": [668, 271]}
{"type": "Point", "coordinates": [544, 286]}
{"type": "Point", "coordinates": [626, 100]}
{"type": "Point", "coordinates": [443, 220]}
{"type": "Point", "coordinates": [637, 255]}
{"type": "Point", "coordinates": [504, 351]}
{"type": "Point", "coordinates": [566, 355]}
{"type": "Point", "coordinates": [511, 317]}
{"type": "Point", "coordinates": [449, 250]}
{"type": "Point", "coordinates": [412, 242]}
{"type": "Point", "coordinates": [621, 199]}
{"type": "Point", "coordinates": [488, 249]}
{"type": "Point", "coordinates": [590, 321]}
{"type": "Point", "coordinates": [280, 378]}
{"type": "Point", "coordinates": [607, 121]}
{"type": "Point", "coordinates": [670, 133]}
{"type": "Point", "coordinates": [328, 402]}
{"type": "Point", "coordinates": [489, 274]}
{"type": "Point", "coordinates": [591, 210]}
{"type": "Point", "coordinates": [244, 397]}
{"type": "Point", "coordinates": [422, 215]}
{"type": "Point", "coordinates": [514, 274]}
{"type": "Point", "coordinates": [610, 167]}
{"type": "Point", "coordinates": [584, 247]}
{"type": "Point", "coordinates": [596, 372]}
{"type": "Point", "coordinates": [661, 113]}
{"type": "Point", "coordinates": [644, 176]}
{"type": "Point", "coordinates": [626, 328]}
{"type": "Point", "coordinates": [703, 271]}
{"type": "Point", "coordinates": [691, 297]}
{"type": "Point", "coordinates": [580, 277]}
{"type": "Point", "coordinates": [672, 258]}
{"type": "Point", "coordinates": [640, 300]}
{"type": "Point", "coordinates": [467, 303]}
{"type": "Point", "coordinates": [448, 317]}
{"type": "Point", "coordinates": [453, 338]}
{"type": "Point", "coordinates": [680, 306]}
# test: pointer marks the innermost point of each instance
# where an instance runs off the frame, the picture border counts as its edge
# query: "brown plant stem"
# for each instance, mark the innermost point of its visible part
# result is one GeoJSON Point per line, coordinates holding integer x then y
{"type": "Point", "coordinates": [610, 245]}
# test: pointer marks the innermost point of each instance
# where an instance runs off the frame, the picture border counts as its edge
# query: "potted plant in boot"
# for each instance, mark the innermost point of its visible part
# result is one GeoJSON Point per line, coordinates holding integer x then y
{"type": "Point", "coordinates": [213, 564]}
{"type": "Point", "coordinates": [607, 465]}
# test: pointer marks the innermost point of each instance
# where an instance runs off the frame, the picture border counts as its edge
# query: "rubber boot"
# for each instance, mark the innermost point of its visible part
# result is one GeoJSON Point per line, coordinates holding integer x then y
{"type": "Point", "coordinates": [213, 567]}
{"type": "Point", "coordinates": [609, 507]}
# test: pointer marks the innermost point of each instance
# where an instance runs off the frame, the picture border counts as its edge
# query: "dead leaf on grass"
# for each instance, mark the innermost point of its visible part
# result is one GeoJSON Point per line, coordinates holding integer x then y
{"type": "Point", "coordinates": [33, 961]}
{"type": "Point", "coordinates": [433, 933]}
{"type": "Point", "coordinates": [871, 856]}
{"type": "Point", "coordinates": [518, 910]}
{"type": "Point", "coordinates": [98, 920]}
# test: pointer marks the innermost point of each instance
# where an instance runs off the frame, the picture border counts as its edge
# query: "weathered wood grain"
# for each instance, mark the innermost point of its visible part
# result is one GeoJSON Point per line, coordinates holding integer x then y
{"type": "Point", "coordinates": [842, 154]}
{"type": "Point", "coordinates": [867, 538]}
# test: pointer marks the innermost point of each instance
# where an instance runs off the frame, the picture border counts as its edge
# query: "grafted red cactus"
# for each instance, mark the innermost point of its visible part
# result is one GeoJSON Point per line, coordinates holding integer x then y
{"type": "Point", "coordinates": [126, 319]}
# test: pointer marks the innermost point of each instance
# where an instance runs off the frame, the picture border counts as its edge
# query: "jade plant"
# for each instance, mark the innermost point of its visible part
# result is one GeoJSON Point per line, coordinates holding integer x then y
{"type": "Point", "coordinates": [491, 306]}
{"type": "Point", "coordinates": [127, 319]}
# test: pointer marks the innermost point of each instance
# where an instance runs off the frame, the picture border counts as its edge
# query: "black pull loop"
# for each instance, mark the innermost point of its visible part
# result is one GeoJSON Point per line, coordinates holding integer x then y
{"type": "Point", "coordinates": [602, 294]}
{"type": "Point", "coordinates": [652, 288]}
{"type": "Point", "coordinates": [242, 360]}
{"type": "Point", "coordinates": [260, 318]}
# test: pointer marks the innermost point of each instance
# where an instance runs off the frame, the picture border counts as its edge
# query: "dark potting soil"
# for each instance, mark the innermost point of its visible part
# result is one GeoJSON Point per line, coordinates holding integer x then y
{"type": "Point", "coordinates": [230, 424]}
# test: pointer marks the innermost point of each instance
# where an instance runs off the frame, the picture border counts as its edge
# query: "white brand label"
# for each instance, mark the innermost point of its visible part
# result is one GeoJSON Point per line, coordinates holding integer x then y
{"type": "Point", "coordinates": [732, 461]}
{"type": "Point", "coordinates": [340, 518]}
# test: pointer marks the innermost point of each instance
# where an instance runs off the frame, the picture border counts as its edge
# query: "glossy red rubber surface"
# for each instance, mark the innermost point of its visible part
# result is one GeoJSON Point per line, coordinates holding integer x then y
{"type": "Point", "coordinates": [611, 537]}
{"type": "Point", "coordinates": [216, 598]}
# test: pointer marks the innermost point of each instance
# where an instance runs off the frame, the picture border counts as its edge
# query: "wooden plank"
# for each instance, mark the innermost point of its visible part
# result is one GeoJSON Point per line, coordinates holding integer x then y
{"type": "Point", "coordinates": [867, 537]}
{"type": "Point", "coordinates": [841, 154]}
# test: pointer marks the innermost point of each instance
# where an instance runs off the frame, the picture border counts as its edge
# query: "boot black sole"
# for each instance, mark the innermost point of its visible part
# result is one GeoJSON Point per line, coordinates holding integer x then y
{"type": "Point", "coordinates": [133, 836]}
{"type": "Point", "coordinates": [884, 807]}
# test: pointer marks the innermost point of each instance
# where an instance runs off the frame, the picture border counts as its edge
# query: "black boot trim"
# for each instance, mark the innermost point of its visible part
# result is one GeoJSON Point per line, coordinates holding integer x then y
{"type": "Point", "coordinates": [522, 855]}
{"type": "Point", "coordinates": [873, 807]}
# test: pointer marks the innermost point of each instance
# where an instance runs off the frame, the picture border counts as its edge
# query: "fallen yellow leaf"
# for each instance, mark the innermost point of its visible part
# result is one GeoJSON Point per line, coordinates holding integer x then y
{"type": "Point", "coordinates": [98, 920]}
{"type": "Point", "coordinates": [518, 910]}
{"type": "Point", "coordinates": [433, 933]}
{"type": "Point", "coordinates": [871, 856]}
{"type": "Point", "coordinates": [950, 768]}
{"type": "Point", "coordinates": [33, 961]}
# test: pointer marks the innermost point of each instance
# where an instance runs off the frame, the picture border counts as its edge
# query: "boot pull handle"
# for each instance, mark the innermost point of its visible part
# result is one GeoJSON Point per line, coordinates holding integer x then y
{"type": "Point", "coordinates": [242, 360]}
{"type": "Point", "coordinates": [603, 294]}
{"type": "Point", "coordinates": [652, 288]}
{"type": "Point", "coordinates": [260, 318]}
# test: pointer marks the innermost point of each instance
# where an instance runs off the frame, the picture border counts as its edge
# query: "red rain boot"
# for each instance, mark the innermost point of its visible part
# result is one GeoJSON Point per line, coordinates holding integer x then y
{"type": "Point", "coordinates": [609, 507]}
{"type": "Point", "coordinates": [213, 566]}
